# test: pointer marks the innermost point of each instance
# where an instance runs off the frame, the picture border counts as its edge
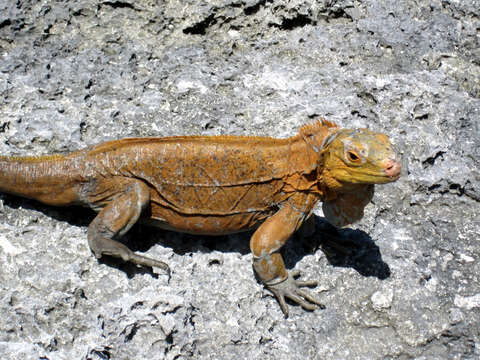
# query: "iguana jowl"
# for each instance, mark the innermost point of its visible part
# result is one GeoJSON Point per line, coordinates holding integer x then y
{"type": "Point", "coordinates": [214, 185]}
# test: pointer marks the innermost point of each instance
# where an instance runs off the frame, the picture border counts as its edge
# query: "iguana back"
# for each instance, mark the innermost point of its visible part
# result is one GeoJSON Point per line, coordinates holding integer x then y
{"type": "Point", "coordinates": [201, 175]}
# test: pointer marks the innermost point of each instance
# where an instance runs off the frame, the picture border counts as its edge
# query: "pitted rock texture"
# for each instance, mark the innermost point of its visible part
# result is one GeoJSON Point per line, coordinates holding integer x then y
{"type": "Point", "coordinates": [76, 73]}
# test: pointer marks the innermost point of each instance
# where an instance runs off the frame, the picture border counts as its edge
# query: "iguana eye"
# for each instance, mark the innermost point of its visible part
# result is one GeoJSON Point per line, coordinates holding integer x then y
{"type": "Point", "coordinates": [353, 157]}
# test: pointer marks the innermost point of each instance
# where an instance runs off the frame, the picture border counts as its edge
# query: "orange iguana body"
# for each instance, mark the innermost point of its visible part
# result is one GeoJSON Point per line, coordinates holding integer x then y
{"type": "Point", "coordinates": [214, 185]}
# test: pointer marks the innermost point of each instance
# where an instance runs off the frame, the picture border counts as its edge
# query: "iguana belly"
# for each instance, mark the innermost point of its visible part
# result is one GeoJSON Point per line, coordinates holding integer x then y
{"type": "Point", "coordinates": [215, 210]}
{"type": "Point", "coordinates": [206, 224]}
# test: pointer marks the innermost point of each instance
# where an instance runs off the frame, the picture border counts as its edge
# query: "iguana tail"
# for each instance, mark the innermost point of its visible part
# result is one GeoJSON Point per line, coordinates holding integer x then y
{"type": "Point", "coordinates": [51, 179]}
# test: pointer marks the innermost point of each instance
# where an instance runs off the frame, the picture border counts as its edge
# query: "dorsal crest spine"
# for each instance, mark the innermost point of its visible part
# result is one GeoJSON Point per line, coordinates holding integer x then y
{"type": "Point", "coordinates": [316, 126]}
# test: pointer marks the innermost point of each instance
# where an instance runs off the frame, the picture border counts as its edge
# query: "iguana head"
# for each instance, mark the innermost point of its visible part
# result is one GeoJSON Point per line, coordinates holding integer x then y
{"type": "Point", "coordinates": [349, 162]}
{"type": "Point", "coordinates": [360, 156]}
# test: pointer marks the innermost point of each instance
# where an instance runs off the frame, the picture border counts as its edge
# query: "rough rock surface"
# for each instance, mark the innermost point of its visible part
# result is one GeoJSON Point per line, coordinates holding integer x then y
{"type": "Point", "coordinates": [74, 73]}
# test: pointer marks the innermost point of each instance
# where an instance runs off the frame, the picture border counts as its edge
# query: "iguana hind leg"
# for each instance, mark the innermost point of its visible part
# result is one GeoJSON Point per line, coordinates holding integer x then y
{"type": "Point", "coordinates": [122, 201]}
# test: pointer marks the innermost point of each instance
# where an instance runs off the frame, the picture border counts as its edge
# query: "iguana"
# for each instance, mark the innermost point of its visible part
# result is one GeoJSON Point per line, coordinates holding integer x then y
{"type": "Point", "coordinates": [215, 185]}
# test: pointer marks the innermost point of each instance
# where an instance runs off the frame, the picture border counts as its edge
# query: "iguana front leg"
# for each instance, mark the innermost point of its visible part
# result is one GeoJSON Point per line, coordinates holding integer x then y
{"type": "Point", "coordinates": [268, 262]}
{"type": "Point", "coordinates": [121, 200]}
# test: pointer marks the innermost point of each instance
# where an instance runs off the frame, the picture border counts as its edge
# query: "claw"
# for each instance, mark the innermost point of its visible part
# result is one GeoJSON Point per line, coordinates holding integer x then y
{"type": "Point", "coordinates": [310, 283]}
{"type": "Point", "coordinates": [311, 298]}
{"type": "Point", "coordinates": [295, 273]}
{"type": "Point", "coordinates": [146, 261]}
{"type": "Point", "coordinates": [283, 304]}
{"type": "Point", "coordinates": [290, 288]}
{"type": "Point", "coordinates": [302, 302]}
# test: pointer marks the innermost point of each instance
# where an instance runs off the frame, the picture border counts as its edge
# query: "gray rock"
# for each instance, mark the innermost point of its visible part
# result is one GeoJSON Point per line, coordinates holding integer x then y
{"type": "Point", "coordinates": [76, 73]}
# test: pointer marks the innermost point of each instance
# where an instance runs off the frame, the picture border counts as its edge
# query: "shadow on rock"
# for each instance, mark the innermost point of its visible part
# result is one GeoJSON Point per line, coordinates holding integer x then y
{"type": "Point", "coordinates": [74, 215]}
{"type": "Point", "coordinates": [342, 247]}
{"type": "Point", "coordinates": [183, 244]}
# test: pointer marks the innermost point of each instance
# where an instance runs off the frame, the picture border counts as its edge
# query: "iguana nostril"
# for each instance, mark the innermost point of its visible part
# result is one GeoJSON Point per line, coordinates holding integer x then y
{"type": "Point", "coordinates": [392, 168]}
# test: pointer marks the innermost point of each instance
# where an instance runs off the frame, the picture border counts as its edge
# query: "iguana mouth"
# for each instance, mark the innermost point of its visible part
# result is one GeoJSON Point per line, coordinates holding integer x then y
{"type": "Point", "coordinates": [386, 178]}
{"type": "Point", "coordinates": [394, 177]}
{"type": "Point", "coordinates": [376, 176]}
{"type": "Point", "coordinates": [390, 171]}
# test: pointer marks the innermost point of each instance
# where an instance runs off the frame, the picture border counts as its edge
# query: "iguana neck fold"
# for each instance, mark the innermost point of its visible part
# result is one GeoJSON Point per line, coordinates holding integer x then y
{"type": "Point", "coordinates": [308, 151]}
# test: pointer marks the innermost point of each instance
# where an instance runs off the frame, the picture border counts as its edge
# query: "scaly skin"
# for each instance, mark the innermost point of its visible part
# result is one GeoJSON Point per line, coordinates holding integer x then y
{"type": "Point", "coordinates": [215, 185]}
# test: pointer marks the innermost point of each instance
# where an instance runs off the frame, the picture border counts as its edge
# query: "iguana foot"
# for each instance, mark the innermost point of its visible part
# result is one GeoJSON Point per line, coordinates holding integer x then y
{"type": "Point", "coordinates": [290, 288]}
{"type": "Point", "coordinates": [105, 246]}
{"type": "Point", "coordinates": [146, 261]}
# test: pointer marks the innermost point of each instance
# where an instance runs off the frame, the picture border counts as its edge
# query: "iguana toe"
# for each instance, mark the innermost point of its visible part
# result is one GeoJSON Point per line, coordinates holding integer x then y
{"type": "Point", "coordinates": [291, 288]}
